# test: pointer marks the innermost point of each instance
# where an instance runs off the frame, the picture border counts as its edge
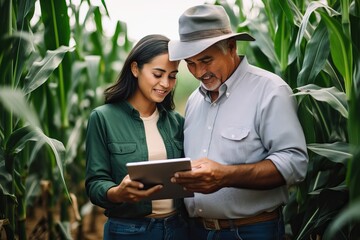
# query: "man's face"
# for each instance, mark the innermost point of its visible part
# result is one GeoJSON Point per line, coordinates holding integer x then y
{"type": "Point", "coordinates": [212, 66]}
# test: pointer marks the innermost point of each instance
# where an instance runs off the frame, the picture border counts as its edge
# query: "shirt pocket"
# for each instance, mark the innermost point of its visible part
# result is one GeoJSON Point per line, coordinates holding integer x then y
{"type": "Point", "coordinates": [233, 144]}
{"type": "Point", "coordinates": [120, 154]}
{"type": "Point", "coordinates": [122, 148]}
{"type": "Point", "coordinates": [235, 134]}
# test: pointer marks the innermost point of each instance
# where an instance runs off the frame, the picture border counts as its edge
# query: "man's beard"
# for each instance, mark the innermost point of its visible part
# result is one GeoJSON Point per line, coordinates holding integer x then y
{"type": "Point", "coordinates": [213, 86]}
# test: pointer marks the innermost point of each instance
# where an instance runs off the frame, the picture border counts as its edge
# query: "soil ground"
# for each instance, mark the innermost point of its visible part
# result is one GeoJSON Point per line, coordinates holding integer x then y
{"type": "Point", "coordinates": [89, 228]}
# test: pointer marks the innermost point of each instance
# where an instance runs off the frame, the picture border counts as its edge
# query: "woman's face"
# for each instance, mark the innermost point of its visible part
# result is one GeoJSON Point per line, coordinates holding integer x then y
{"type": "Point", "coordinates": [156, 79]}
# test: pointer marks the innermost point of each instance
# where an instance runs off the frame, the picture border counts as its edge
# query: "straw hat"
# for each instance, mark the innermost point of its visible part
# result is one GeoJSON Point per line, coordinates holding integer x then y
{"type": "Point", "coordinates": [199, 28]}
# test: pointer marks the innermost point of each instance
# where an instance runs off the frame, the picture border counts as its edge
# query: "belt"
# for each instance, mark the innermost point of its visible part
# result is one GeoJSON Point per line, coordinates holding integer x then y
{"type": "Point", "coordinates": [218, 224]}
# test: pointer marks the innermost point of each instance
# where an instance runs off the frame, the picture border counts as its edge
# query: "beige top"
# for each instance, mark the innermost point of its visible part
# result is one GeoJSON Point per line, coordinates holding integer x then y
{"type": "Point", "coordinates": [156, 151]}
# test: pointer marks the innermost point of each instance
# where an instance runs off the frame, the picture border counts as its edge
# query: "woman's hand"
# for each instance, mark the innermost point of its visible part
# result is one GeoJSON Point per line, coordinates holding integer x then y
{"type": "Point", "coordinates": [130, 191]}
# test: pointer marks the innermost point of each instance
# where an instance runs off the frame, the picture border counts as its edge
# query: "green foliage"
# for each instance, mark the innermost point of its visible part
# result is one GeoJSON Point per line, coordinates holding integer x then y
{"type": "Point", "coordinates": [47, 89]}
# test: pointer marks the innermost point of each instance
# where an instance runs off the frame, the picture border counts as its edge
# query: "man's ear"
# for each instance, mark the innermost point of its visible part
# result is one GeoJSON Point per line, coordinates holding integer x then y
{"type": "Point", "coordinates": [134, 69]}
{"type": "Point", "coordinates": [232, 44]}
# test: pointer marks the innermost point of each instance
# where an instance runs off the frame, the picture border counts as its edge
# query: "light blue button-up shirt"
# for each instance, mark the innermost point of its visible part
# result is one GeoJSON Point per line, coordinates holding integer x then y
{"type": "Point", "coordinates": [254, 118]}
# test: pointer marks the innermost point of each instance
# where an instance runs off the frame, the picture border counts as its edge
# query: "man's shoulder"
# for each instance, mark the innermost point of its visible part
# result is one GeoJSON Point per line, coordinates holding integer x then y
{"type": "Point", "coordinates": [267, 77]}
{"type": "Point", "coordinates": [195, 96]}
{"type": "Point", "coordinates": [263, 72]}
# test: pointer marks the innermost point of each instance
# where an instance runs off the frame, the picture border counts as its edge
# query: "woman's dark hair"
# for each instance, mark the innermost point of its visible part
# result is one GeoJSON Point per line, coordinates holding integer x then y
{"type": "Point", "coordinates": [143, 52]}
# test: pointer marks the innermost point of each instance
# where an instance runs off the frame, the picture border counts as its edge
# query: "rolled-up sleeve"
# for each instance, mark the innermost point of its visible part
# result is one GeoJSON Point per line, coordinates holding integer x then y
{"type": "Point", "coordinates": [282, 134]}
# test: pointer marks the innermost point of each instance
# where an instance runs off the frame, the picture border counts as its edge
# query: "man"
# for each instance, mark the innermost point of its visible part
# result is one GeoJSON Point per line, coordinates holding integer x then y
{"type": "Point", "coordinates": [241, 130]}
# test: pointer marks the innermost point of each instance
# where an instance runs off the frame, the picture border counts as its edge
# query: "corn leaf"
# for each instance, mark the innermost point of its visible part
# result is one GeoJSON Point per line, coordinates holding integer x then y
{"type": "Point", "coordinates": [56, 21]}
{"type": "Point", "coordinates": [341, 50]}
{"type": "Point", "coordinates": [41, 71]}
{"type": "Point", "coordinates": [338, 152]}
{"type": "Point", "coordinates": [264, 42]}
{"type": "Point", "coordinates": [335, 98]}
{"type": "Point", "coordinates": [282, 41]}
{"type": "Point", "coordinates": [15, 102]}
{"type": "Point", "coordinates": [305, 26]}
{"type": "Point", "coordinates": [93, 69]}
{"type": "Point", "coordinates": [353, 176]}
{"type": "Point", "coordinates": [316, 52]}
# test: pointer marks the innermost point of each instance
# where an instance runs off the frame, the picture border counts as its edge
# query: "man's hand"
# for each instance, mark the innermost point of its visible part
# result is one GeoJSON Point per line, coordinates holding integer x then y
{"type": "Point", "coordinates": [206, 176]}
{"type": "Point", "coordinates": [130, 191]}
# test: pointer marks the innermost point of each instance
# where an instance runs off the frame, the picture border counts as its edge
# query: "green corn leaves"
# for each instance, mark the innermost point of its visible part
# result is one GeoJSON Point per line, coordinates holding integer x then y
{"type": "Point", "coordinates": [335, 98]}
{"type": "Point", "coordinates": [40, 71]}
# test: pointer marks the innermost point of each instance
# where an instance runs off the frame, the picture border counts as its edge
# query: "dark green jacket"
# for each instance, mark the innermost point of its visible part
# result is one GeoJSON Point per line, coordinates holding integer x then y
{"type": "Point", "coordinates": [116, 136]}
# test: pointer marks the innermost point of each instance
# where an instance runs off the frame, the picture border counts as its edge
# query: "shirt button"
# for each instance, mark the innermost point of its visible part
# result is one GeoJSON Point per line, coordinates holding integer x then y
{"type": "Point", "coordinates": [232, 136]}
{"type": "Point", "coordinates": [209, 127]}
{"type": "Point", "coordinates": [204, 150]}
{"type": "Point", "coordinates": [227, 94]}
{"type": "Point", "coordinates": [200, 210]}
{"type": "Point", "coordinates": [214, 104]}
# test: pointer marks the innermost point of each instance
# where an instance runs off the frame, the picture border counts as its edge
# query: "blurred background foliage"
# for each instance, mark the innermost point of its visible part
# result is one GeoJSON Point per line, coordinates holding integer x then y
{"type": "Point", "coordinates": [53, 70]}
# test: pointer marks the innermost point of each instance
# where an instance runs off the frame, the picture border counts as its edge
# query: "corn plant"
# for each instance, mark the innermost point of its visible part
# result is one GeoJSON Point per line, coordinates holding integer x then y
{"type": "Point", "coordinates": [22, 136]}
{"type": "Point", "coordinates": [47, 89]}
{"type": "Point", "coordinates": [313, 45]}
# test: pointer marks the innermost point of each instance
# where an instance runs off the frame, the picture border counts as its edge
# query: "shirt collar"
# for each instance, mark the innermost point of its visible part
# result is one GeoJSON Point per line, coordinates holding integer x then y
{"type": "Point", "coordinates": [132, 111]}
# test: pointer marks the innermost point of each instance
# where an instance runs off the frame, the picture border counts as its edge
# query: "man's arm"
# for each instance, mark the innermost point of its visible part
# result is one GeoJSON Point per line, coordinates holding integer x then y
{"type": "Point", "coordinates": [208, 176]}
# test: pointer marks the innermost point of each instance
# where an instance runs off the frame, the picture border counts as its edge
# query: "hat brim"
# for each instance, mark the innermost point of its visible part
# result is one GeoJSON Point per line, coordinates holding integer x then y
{"type": "Point", "coordinates": [181, 50]}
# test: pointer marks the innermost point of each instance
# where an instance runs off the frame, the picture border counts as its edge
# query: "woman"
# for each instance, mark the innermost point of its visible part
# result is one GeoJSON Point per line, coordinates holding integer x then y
{"type": "Point", "coordinates": [136, 123]}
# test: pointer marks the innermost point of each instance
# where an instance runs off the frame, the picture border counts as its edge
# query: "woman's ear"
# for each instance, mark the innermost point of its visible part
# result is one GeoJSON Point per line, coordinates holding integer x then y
{"type": "Point", "coordinates": [134, 69]}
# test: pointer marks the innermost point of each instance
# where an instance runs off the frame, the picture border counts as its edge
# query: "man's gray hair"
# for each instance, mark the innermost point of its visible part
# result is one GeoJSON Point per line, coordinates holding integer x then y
{"type": "Point", "coordinates": [222, 45]}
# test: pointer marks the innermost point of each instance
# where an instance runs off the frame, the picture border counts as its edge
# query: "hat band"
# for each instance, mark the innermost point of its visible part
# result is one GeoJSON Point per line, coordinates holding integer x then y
{"type": "Point", "coordinates": [186, 37]}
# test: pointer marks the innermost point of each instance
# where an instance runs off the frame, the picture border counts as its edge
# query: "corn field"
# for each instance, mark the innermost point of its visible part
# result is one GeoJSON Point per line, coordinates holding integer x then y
{"type": "Point", "coordinates": [53, 71]}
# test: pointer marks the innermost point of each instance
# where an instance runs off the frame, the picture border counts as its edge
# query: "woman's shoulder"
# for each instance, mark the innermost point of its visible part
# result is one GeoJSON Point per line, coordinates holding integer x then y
{"type": "Point", "coordinates": [110, 110]}
{"type": "Point", "coordinates": [174, 113]}
{"type": "Point", "coordinates": [109, 107]}
{"type": "Point", "coordinates": [175, 116]}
